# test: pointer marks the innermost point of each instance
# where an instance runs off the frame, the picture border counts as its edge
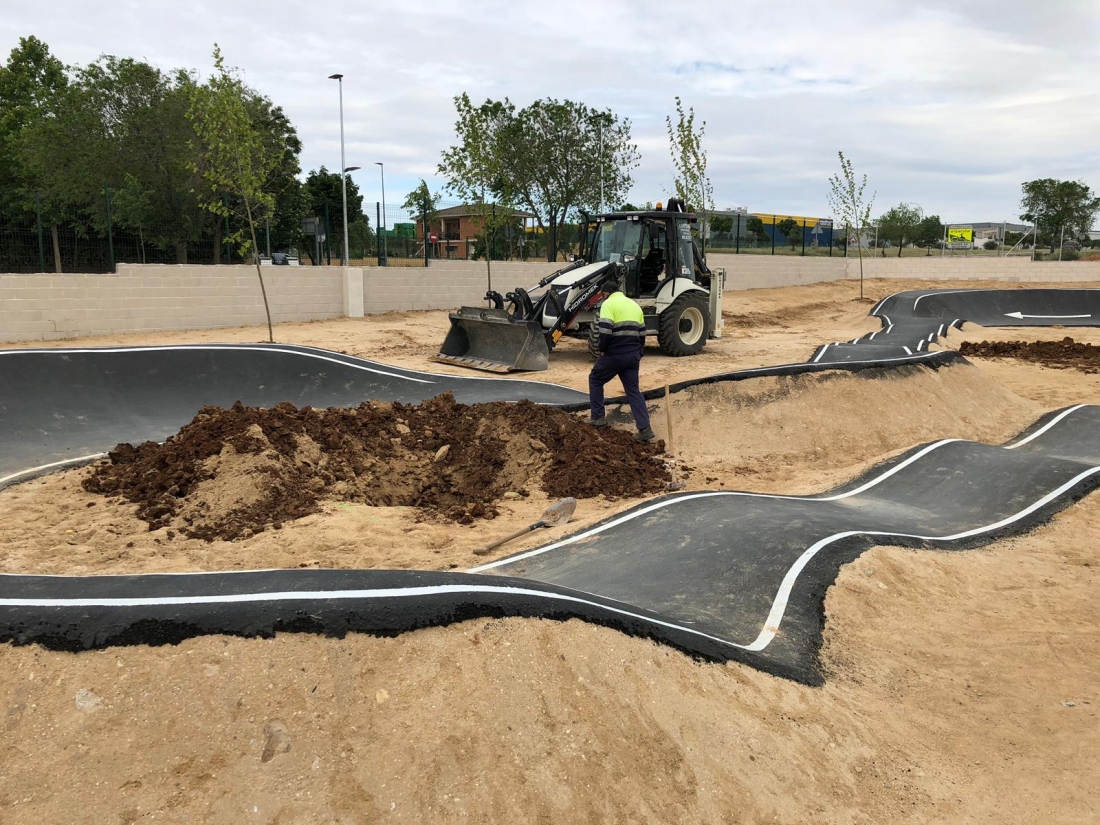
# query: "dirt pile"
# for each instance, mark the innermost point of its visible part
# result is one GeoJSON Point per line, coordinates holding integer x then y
{"type": "Point", "coordinates": [231, 473]}
{"type": "Point", "coordinates": [1059, 355]}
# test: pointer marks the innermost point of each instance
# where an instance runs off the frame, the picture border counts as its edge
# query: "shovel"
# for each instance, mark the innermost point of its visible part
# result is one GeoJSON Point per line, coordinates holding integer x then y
{"type": "Point", "coordinates": [557, 513]}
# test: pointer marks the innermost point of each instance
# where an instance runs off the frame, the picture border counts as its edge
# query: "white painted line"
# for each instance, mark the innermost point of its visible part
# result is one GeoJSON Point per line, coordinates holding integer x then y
{"type": "Point", "coordinates": [68, 461]}
{"type": "Point", "coordinates": [820, 352]}
{"type": "Point", "coordinates": [1046, 426]}
{"type": "Point", "coordinates": [763, 639]}
{"type": "Point", "coordinates": [907, 350]}
{"type": "Point", "coordinates": [315, 353]}
{"type": "Point", "coordinates": [669, 502]}
{"type": "Point", "coordinates": [947, 292]}
{"type": "Point", "coordinates": [779, 604]}
{"type": "Point", "coordinates": [223, 348]}
{"type": "Point", "coordinates": [920, 345]}
{"type": "Point", "coordinates": [1020, 316]}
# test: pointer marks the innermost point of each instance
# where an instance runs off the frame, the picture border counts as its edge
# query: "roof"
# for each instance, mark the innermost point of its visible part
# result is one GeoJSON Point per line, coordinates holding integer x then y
{"type": "Point", "coordinates": [470, 209]}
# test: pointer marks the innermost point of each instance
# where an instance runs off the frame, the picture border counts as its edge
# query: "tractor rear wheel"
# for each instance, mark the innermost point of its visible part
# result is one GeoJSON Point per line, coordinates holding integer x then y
{"type": "Point", "coordinates": [594, 340]}
{"type": "Point", "coordinates": [682, 328]}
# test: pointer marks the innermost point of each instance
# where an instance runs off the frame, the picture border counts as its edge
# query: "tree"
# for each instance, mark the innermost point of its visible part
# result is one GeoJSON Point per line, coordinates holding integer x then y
{"type": "Point", "coordinates": [756, 227]}
{"type": "Point", "coordinates": [901, 224]}
{"type": "Point", "coordinates": [846, 200]}
{"type": "Point", "coordinates": [422, 203]}
{"type": "Point", "coordinates": [689, 159]}
{"type": "Point", "coordinates": [324, 199]}
{"type": "Point", "coordinates": [790, 229]}
{"type": "Point", "coordinates": [30, 82]}
{"type": "Point", "coordinates": [549, 158]}
{"type": "Point", "coordinates": [1059, 206]}
{"type": "Point", "coordinates": [929, 233]}
{"type": "Point", "coordinates": [238, 164]}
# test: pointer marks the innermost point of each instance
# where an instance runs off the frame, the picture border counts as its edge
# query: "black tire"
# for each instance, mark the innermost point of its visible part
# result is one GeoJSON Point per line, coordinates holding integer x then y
{"type": "Point", "coordinates": [594, 340]}
{"type": "Point", "coordinates": [682, 328]}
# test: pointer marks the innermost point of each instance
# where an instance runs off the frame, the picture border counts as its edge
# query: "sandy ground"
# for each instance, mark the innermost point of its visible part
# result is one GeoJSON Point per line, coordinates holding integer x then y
{"type": "Point", "coordinates": [961, 687]}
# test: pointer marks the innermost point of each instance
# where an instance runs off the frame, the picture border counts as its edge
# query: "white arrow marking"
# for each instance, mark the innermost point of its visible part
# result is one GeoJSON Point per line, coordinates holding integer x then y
{"type": "Point", "coordinates": [1019, 316]}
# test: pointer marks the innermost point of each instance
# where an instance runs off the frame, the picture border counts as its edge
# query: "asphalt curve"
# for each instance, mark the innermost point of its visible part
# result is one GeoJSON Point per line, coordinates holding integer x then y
{"type": "Point", "coordinates": [724, 575]}
{"type": "Point", "coordinates": [63, 406]}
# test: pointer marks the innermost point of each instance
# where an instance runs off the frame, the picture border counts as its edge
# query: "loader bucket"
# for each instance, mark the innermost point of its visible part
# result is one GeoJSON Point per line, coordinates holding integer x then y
{"type": "Point", "coordinates": [490, 339]}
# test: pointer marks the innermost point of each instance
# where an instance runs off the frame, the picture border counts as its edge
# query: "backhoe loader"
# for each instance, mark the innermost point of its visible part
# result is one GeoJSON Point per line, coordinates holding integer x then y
{"type": "Point", "coordinates": [656, 262]}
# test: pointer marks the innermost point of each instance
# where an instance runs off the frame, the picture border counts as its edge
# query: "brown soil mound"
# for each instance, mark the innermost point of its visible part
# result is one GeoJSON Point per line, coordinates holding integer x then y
{"type": "Point", "coordinates": [231, 473]}
{"type": "Point", "coordinates": [1059, 355]}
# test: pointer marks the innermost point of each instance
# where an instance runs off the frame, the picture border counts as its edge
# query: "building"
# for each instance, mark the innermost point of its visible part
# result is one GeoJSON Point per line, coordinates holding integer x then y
{"type": "Point", "coordinates": [456, 229]}
{"type": "Point", "coordinates": [993, 230]}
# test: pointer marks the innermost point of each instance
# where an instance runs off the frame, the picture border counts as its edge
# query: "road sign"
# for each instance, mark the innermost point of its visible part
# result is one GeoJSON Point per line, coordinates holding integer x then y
{"type": "Point", "coordinates": [960, 237]}
{"type": "Point", "coordinates": [433, 237]}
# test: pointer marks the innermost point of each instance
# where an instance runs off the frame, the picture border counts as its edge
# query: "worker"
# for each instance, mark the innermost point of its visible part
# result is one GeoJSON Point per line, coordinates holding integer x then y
{"type": "Point", "coordinates": [622, 344]}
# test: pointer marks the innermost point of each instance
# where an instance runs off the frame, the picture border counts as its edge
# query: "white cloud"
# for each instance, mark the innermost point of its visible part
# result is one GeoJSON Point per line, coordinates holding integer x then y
{"type": "Point", "coordinates": [946, 104]}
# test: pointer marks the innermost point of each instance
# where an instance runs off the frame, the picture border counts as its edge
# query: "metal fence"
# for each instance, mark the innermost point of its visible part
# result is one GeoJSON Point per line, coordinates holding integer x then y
{"type": "Point", "coordinates": [90, 239]}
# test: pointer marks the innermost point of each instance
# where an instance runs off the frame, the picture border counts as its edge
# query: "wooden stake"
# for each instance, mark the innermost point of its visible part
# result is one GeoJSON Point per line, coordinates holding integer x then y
{"type": "Point", "coordinates": [668, 419]}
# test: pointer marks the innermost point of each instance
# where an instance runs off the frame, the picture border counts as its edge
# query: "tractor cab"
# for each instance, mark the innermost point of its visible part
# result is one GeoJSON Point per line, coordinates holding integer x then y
{"type": "Point", "coordinates": [652, 246]}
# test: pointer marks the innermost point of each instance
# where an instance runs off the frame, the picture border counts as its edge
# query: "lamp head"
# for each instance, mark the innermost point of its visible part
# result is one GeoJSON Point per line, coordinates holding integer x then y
{"type": "Point", "coordinates": [335, 77]}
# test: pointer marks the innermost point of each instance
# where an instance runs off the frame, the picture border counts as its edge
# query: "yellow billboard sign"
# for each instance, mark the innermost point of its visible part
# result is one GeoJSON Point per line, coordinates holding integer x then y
{"type": "Point", "coordinates": [960, 237]}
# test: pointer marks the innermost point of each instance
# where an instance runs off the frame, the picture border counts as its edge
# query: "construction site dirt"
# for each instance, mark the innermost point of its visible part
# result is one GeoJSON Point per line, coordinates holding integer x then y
{"type": "Point", "coordinates": [960, 687]}
{"type": "Point", "coordinates": [1064, 354]}
{"type": "Point", "coordinates": [230, 474]}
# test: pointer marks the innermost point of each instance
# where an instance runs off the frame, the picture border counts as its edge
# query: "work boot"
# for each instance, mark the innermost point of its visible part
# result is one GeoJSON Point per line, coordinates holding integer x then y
{"type": "Point", "coordinates": [645, 436]}
{"type": "Point", "coordinates": [597, 422]}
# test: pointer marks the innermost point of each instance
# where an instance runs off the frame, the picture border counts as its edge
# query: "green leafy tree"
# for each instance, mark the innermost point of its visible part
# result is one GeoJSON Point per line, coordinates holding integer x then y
{"type": "Point", "coordinates": [901, 224]}
{"type": "Point", "coordinates": [239, 164]}
{"type": "Point", "coordinates": [30, 83]}
{"type": "Point", "coordinates": [424, 205]}
{"type": "Point", "coordinates": [474, 168]}
{"type": "Point", "coordinates": [549, 158]}
{"type": "Point", "coordinates": [1059, 206]}
{"type": "Point", "coordinates": [756, 226]}
{"type": "Point", "coordinates": [324, 197]}
{"type": "Point", "coordinates": [692, 184]}
{"type": "Point", "coordinates": [791, 231]}
{"type": "Point", "coordinates": [722, 224]}
{"type": "Point", "coordinates": [929, 233]}
{"type": "Point", "coordinates": [846, 198]}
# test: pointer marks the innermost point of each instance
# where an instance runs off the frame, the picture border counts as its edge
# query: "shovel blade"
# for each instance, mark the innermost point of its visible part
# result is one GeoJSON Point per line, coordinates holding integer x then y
{"type": "Point", "coordinates": [559, 512]}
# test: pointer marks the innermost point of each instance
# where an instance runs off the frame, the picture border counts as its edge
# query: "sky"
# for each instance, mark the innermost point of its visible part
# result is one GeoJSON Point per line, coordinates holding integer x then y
{"type": "Point", "coordinates": [950, 106]}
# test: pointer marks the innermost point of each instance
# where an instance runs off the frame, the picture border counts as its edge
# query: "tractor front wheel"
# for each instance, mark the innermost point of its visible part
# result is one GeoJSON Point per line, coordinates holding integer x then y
{"type": "Point", "coordinates": [682, 328]}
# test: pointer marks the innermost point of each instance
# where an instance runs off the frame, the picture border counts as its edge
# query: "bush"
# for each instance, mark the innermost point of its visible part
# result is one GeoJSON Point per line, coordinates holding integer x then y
{"type": "Point", "coordinates": [990, 244]}
{"type": "Point", "coordinates": [1070, 255]}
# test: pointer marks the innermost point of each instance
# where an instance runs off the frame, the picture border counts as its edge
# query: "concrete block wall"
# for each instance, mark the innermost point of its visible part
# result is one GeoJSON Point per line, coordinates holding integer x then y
{"type": "Point", "coordinates": [444, 284]}
{"type": "Point", "coordinates": [140, 298]}
{"type": "Point", "coordinates": [761, 271]}
{"type": "Point", "coordinates": [975, 268]}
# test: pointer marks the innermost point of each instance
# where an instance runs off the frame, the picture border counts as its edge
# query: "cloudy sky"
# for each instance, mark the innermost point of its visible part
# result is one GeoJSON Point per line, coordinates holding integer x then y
{"type": "Point", "coordinates": [947, 105]}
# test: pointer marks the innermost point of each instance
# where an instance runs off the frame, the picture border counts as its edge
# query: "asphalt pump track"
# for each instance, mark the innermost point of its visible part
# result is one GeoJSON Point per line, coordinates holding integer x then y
{"type": "Point", "coordinates": [723, 575]}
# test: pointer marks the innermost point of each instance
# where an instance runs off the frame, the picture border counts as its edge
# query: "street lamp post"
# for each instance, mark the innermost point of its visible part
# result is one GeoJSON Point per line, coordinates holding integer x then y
{"type": "Point", "coordinates": [385, 249]}
{"type": "Point", "coordinates": [339, 78]}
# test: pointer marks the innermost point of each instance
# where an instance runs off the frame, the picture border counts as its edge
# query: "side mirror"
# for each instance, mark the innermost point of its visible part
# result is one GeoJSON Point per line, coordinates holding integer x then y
{"type": "Point", "coordinates": [629, 258]}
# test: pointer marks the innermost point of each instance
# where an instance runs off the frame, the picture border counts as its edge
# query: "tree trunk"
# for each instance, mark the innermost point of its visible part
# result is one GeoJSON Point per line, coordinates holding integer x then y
{"type": "Point", "coordinates": [259, 272]}
{"type": "Point", "coordinates": [181, 252]}
{"type": "Point", "coordinates": [56, 248]}
{"type": "Point", "coordinates": [899, 247]}
{"type": "Point", "coordinates": [552, 241]}
{"type": "Point", "coordinates": [217, 241]}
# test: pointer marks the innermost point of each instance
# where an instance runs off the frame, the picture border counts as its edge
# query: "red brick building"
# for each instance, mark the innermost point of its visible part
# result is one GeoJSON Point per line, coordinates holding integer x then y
{"type": "Point", "coordinates": [455, 230]}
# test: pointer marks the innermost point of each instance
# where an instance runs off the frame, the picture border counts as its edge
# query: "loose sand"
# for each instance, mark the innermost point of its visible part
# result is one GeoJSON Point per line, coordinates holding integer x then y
{"type": "Point", "coordinates": [961, 687]}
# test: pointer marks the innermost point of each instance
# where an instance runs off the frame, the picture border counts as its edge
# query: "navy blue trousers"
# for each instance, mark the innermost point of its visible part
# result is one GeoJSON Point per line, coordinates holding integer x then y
{"type": "Point", "coordinates": [626, 369]}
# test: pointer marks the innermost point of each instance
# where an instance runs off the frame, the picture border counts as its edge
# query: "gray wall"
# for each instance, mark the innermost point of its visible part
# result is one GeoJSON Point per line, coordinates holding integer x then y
{"type": "Point", "coordinates": [140, 298]}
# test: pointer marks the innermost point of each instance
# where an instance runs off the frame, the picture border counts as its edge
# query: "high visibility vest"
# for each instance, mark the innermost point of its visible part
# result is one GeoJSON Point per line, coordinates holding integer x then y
{"type": "Point", "coordinates": [622, 326]}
